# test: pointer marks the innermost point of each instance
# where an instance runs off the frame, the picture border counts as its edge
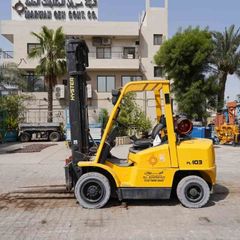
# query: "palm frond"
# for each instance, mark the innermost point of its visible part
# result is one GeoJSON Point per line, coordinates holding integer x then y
{"type": "Point", "coordinates": [226, 49]}
{"type": "Point", "coordinates": [51, 53]}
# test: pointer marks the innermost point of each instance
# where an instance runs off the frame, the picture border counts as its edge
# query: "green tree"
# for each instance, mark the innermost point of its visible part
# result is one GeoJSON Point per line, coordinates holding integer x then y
{"type": "Point", "coordinates": [103, 118]}
{"type": "Point", "coordinates": [226, 58]}
{"type": "Point", "coordinates": [52, 62]}
{"type": "Point", "coordinates": [14, 107]}
{"type": "Point", "coordinates": [131, 116]}
{"type": "Point", "coordinates": [185, 58]}
{"type": "Point", "coordinates": [12, 75]}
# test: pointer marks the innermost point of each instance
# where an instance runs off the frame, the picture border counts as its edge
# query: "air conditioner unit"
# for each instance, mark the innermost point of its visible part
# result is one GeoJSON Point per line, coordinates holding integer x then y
{"type": "Point", "coordinates": [89, 91]}
{"type": "Point", "coordinates": [130, 56]}
{"type": "Point", "coordinates": [59, 91]}
{"type": "Point", "coordinates": [97, 41]}
{"type": "Point", "coordinates": [106, 41]}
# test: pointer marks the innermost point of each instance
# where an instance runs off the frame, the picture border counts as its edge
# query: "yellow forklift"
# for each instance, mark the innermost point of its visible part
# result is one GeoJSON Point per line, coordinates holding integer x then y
{"type": "Point", "coordinates": [153, 169]}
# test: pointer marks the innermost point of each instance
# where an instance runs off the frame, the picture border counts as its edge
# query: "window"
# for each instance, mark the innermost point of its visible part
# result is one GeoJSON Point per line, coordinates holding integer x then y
{"type": "Point", "coordinates": [105, 83]}
{"type": "Point", "coordinates": [35, 83]}
{"type": "Point", "coordinates": [104, 53]}
{"type": "Point", "coordinates": [31, 46]}
{"type": "Point", "coordinates": [126, 79]}
{"type": "Point", "coordinates": [65, 82]}
{"type": "Point", "coordinates": [157, 39]}
{"type": "Point", "coordinates": [129, 52]}
{"type": "Point", "coordinates": [158, 71]}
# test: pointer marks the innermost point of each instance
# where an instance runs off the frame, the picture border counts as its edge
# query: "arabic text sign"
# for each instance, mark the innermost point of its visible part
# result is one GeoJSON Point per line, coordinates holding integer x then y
{"type": "Point", "coordinates": [65, 10]}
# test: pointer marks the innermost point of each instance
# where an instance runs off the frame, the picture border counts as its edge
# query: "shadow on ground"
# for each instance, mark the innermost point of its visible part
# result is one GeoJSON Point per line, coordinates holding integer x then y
{"type": "Point", "coordinates": [38, 196]}
{"type": "Point", "coordinates": [30, 147]}
{"type": "Point", "coordinates": [149, 203]}
{"type": "Point", "coordinates": [4, 147]}
{"type": "Point", "coordinates": [220, 192]}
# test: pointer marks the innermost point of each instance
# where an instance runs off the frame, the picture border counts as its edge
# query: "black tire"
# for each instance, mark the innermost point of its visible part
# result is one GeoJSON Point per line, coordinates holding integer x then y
{"type": "Point", "coordinates": [54, 136]}
{"type": "Point", "coordinates": [193, 192]}
{"type": "Point", "coordinates": [92, 190]}
{"type": "Point", "coordinates": [25, 137]}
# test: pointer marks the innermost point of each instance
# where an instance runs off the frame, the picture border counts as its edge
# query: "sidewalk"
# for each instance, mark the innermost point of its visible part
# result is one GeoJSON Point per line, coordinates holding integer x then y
{"type": "Point", "coordinates": [39, 168]}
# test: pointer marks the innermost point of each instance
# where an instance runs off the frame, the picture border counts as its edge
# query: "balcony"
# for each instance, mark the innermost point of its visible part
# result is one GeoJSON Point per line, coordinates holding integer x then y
{"type": "Point", "coordinates": [114, 60]}
{"type": "Point", "coordinates": [6, 56]}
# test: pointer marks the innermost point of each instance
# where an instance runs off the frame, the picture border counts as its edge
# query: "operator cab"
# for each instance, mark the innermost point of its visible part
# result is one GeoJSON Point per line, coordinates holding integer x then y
{"type": "Point", "coordinates": [157, 136]}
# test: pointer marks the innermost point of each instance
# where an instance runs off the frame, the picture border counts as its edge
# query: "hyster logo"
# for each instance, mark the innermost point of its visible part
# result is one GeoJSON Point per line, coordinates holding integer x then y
{"type": "Point", "coordinates": [19, 7]}
{"type": "Point", "coordinates": [72, 90]}
{"type": "Point", "coordinates": [153, 160]}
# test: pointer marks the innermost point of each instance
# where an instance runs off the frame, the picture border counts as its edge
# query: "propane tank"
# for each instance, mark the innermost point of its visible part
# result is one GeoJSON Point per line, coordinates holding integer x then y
{"type": "Point", "coordinates": [183, 126]}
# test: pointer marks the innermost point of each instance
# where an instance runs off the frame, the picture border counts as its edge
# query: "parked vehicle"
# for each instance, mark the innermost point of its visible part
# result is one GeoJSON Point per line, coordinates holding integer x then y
{"type": "Point", "coordinates": [40, 131]}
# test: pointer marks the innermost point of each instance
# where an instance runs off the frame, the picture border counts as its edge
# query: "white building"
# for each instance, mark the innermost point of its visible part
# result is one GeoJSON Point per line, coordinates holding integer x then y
{"type": "Point", "coordinates": [119, 51]}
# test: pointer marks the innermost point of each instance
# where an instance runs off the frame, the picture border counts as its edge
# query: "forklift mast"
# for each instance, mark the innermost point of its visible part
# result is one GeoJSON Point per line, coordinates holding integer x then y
{"type": "Point", "coordinates": [77, 61]}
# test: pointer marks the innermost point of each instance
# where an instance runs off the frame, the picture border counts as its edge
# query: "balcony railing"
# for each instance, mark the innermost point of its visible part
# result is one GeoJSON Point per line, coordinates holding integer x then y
{"type": "Point", "coordinates": [6, 54]}
{"type": "Point", "coordinates": [93, 55]}
{"type": "Point", "coordinates": [113, 55]}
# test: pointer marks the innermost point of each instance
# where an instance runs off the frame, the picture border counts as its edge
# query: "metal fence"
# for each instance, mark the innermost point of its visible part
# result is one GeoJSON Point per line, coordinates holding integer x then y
{"type": "Point", "coordinates": [6, 54]}
{"type": "Point", "coordinates": [113, 55]}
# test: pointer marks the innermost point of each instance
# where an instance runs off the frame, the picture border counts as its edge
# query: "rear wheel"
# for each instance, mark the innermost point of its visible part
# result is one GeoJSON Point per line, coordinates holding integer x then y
{"type": "Point", "coordinates": [193, 192]}
{"type": "Point", "coordinates": [25, 137]}
{"type": "Point", "coordinates": [54, 137]}
{"type": "Point", "coordinates": [92, 190]}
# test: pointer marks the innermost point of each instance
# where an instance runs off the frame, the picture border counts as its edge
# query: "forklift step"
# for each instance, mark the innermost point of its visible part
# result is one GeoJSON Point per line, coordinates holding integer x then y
{"type": "Point", "coordinates": [119, 162]}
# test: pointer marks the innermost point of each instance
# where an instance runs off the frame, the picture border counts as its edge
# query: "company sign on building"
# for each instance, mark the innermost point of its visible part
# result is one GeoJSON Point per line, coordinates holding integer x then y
{"type": "Point", "coordinates": [57, 10]}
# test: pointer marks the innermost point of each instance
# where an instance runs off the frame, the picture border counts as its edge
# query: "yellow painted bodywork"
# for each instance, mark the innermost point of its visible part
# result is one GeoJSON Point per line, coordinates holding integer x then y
{"type": "Point", "coordinates": [198, 155]}
{"type": "Point", "coordinates": [157, 166]}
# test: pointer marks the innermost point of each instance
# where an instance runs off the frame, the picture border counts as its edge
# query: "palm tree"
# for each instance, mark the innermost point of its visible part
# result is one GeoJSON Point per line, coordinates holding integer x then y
{"type": "Point", "coordinates": [226, 58]}
{"type": "Point", "coordinates": [52, 62]}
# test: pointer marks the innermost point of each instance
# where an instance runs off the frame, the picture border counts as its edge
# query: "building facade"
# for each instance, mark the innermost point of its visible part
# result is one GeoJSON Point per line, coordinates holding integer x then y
{"type": "Point", "coordinates": [119, 51]}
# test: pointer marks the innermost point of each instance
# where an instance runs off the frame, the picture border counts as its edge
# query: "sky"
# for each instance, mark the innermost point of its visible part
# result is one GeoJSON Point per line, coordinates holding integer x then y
{"type": "Point", "coordinates": [215, 14]}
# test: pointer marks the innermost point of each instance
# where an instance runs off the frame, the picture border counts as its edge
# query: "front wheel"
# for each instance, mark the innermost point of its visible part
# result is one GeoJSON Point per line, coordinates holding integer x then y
{"type": "Point", "coordinates": [92, 190]}
{"type": "Point", "coordinates": [193, 192]}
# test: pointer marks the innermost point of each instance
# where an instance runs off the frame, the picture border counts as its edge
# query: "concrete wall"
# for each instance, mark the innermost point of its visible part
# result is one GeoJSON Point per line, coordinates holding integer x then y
{"type": "Point", "coordinates": [154, 21]}
{"type": "Point", "coordinates": [19, 33]}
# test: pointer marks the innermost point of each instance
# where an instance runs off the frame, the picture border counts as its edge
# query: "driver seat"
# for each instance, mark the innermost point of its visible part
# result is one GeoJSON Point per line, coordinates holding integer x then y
{"type": "Point", "coordinates": [146, 143]}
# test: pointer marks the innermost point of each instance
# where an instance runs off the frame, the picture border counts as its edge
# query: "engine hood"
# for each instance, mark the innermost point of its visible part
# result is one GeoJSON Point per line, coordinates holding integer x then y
{"type": "Point", "coordinates": [196, 153]}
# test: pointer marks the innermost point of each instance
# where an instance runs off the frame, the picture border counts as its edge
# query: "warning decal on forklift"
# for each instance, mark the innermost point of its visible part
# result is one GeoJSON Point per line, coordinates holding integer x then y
{"type": "Point", "coordinates": [153, 177]}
